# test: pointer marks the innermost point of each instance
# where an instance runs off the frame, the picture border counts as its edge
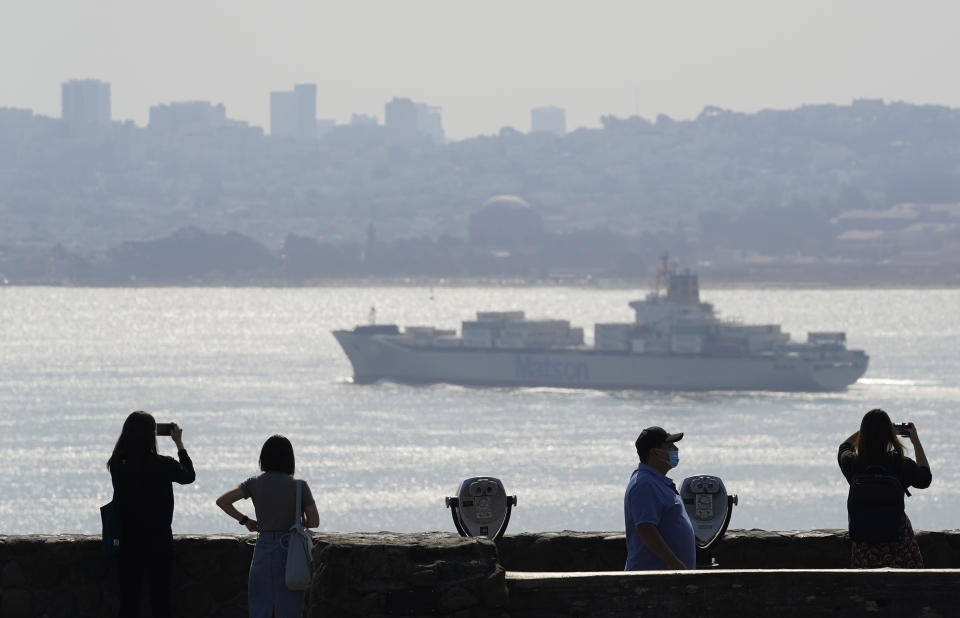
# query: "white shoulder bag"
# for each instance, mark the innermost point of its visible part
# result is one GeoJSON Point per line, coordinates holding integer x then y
{"type": "Point", "coordinates": [300, 552]}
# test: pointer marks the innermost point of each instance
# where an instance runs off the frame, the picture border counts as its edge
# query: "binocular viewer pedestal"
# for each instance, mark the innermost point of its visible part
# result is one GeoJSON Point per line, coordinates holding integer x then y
{"type": "Point", "coordinates": [481, 507]}
{"type": "Point", "coordinates": [709, 508]}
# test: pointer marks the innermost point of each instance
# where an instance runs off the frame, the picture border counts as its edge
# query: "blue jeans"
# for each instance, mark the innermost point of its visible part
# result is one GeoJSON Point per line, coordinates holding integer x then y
{"type": "Point", "coordinates": [267, 592]}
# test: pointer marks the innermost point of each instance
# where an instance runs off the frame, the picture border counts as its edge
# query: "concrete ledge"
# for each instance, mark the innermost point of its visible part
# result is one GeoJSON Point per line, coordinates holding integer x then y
{"type": "Point", "coordinates": [736, 593]}
{"type": "Point", "coordinates": [739, 549]}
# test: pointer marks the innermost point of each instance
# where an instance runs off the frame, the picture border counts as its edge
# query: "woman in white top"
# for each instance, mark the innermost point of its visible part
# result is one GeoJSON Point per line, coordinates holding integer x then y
{"type": "Point", "coordinates": [274, 501]}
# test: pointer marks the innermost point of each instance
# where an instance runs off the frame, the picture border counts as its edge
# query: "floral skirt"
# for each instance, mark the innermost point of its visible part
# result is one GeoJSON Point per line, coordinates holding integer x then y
{"type": "Point", "coordinates": [900, 554]}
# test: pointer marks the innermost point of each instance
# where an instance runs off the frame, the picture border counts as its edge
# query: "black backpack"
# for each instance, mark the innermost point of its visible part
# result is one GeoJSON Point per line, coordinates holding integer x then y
{"type": "Point", "coordinates": [875, 506]}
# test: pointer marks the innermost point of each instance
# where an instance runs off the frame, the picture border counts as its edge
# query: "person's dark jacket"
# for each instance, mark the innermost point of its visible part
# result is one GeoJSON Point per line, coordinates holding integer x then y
{"type": "Point", "coordinates": [905, 469]}
{"type": "Point", "coordinates": [144, 491]}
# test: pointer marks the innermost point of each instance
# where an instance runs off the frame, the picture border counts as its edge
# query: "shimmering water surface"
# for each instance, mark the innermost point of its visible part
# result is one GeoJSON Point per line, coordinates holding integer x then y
{"type": "Point", "coordinates": [233, 366]}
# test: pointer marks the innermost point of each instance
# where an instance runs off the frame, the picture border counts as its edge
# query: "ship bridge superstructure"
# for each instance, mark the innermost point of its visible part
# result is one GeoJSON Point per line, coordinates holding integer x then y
{"type": "Point", "coordinates": [676, 321]}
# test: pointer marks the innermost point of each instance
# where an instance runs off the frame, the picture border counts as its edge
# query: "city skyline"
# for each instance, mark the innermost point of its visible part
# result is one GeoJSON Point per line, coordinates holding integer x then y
{"type": "Point", "coordinates": [486, 69]}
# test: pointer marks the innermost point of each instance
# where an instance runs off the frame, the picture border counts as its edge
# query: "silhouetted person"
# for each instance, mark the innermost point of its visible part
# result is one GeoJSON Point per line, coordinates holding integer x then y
{"type": "Point", "coordinates": [871, 454]}
{"type": "Point", "coordinates": [142, 486]}
{"type": "Point", "coordinates": [274, 500]}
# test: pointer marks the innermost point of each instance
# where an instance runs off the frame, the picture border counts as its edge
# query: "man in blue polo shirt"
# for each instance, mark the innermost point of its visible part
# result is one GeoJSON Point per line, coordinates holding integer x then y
{"type": "Point", "coordinates": [659, 533]}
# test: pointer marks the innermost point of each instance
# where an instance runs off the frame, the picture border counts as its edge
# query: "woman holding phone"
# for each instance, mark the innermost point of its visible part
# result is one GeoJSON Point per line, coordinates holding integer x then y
{"type": "Point", "coordinates": [143, 488]}
{"type": "Point", "coordinates": [879, 475]}
{"type": "Point", "coordinates": [274, 501]}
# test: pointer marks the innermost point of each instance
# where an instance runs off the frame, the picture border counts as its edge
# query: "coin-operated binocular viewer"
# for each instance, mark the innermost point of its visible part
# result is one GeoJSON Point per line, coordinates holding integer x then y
{"type": "Point", "coordinates": [481, 507]}
{"type": "Point", "coordinates": [709, 507]}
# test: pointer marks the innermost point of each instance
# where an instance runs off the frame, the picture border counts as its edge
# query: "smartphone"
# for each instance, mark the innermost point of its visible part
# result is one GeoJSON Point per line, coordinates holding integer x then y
{"type": "Point", "coordinates": [163, 429]}
{"type": "Point", "coordinates": [902, 429]}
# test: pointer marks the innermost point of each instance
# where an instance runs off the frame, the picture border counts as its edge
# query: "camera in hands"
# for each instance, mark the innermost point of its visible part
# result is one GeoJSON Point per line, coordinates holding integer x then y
{"type": "Point", "coordinates": [902, 429]}
{"type": "Point", "coordinates": [163, 429]}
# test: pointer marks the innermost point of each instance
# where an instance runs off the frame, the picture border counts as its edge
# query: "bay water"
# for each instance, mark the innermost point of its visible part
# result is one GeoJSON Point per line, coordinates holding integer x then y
{"type": "Point", "coordinates": [235, 365]}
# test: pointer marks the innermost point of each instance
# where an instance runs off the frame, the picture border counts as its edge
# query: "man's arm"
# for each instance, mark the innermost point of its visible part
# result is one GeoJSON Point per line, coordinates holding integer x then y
{"type": "Point", "coordinates": [651, 537]}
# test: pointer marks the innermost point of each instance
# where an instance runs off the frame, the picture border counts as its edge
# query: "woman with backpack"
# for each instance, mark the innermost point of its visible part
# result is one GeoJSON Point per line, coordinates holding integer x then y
{"type": "Point", "coordinates": [274, 494]}
{"type": "Point", "coordinates": [879, 474]}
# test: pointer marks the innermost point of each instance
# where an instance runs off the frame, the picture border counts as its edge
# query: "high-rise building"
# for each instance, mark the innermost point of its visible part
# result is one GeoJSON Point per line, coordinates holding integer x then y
{"type": "Point", "coordinates": [85, 105]}
{"type": "Point", "coordinates": [400, 118]}
{"type": "Point", "coordinates": [293, 113]}
{"type": "Point", "coordinates": [548, 119]}
{"type": "Point", "coordinates": [405, 119]}
{"type": "Point", "coordinates": [305, 96]}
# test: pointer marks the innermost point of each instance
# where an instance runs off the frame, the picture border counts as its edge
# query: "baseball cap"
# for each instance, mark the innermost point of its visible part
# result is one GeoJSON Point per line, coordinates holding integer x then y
{"type": "Point", "coordinates": [652, 437]}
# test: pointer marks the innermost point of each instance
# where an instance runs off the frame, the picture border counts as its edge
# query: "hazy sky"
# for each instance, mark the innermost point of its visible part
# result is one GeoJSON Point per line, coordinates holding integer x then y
{"type": "Point", "coordinates": [485, 63]}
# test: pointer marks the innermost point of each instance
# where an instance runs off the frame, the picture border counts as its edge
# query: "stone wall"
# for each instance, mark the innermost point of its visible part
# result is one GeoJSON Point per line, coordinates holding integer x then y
{"type": "Point", "coordinates": [739, 549]}
{"type": "Point", "coordinates": [406, 574]}
{"type": "Point", "coordinates": [354, 575]}
{"type": "Point", "coordinates": [443, 574]}
{"type": "Point", "coordinates": [67, 576]}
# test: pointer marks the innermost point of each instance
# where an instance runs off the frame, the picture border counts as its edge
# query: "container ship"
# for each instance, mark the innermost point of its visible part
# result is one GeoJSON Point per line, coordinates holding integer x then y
{"type": "Point", "coordinates": [676, 342]}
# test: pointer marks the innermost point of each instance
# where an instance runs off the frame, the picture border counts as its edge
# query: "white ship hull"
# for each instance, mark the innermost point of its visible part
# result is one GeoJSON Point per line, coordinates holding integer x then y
{"type": "Point", "coordinates": [378, 357]}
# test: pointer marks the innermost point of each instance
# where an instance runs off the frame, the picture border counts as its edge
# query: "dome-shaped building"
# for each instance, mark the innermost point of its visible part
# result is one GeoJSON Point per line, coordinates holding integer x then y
{"type": "Point", "coordinates": [506, 222]}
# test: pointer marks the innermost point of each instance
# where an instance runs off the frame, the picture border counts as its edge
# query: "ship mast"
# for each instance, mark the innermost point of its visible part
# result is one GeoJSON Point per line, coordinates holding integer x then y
{"type": "Point", "coordinates": [663, 274]}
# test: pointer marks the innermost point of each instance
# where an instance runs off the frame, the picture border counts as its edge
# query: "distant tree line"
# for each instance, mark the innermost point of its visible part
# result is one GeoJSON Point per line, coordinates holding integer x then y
{"type": "Point", "coordinates": [193, 256]}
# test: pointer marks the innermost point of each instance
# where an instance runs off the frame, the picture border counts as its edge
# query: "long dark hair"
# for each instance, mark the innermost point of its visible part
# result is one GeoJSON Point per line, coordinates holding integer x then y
{"type": "Point", "coordinates": [277, 455]}
{"type": "Point", "coordinates": [877, 436]}
{"type": "Point", "coordinates": [138, 440]}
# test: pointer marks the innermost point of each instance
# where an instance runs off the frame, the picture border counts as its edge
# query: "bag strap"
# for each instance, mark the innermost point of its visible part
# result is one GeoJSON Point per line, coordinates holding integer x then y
{"type": "Point", "coordinates": [297, 513]}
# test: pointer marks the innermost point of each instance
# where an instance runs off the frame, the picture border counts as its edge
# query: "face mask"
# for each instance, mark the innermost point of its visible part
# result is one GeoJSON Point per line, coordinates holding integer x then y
{"type": "Point", "coordinates": [673, 458]}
